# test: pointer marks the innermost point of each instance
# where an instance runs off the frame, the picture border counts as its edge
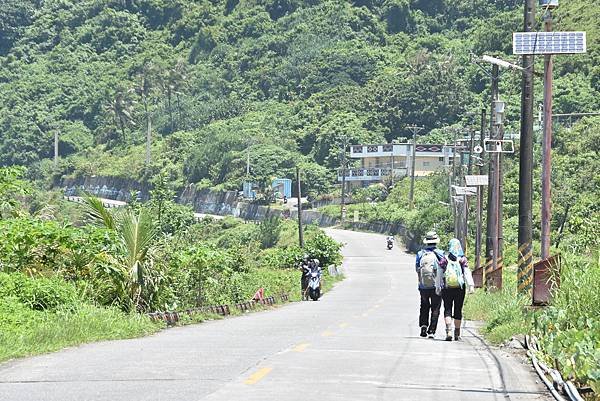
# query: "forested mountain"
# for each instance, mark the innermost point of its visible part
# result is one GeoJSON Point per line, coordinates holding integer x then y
{"type": "Point", "coordinates": [281, 79]}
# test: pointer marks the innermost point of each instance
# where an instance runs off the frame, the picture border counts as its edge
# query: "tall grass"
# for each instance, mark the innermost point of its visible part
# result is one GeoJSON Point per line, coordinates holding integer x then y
{"type": "Point", "coordinates": [25, 332]}
{"type": "Point", "coordinates": [503, 311]}
{"type": "Point", "coordinates": [568, 330]}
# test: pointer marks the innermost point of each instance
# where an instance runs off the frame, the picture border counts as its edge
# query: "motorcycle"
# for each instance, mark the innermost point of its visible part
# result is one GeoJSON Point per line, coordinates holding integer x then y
{"type": "Point", "coordinates": [390, 244]}
{"type": "Point", "coordinates": [314, 282]}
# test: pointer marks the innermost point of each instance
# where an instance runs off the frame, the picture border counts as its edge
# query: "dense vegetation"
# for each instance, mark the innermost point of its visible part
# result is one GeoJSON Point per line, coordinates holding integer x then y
{"type": "Point", "coordinates": [84, 272]}
{"type": "Point", "coordinates": [282, 81]}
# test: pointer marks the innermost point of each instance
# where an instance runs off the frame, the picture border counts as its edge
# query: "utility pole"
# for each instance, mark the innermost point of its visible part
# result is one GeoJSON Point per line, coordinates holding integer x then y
{"type": "Point", "coordinates": [148, 137]}
{"type": "Point", "coordinates": [248, 164]}
{"type": "Point", "coordinates": [491, 244]}
{"type": "Point", "coordinates": [415, 129]}
{"type": "Point", "coordinates": [480, 201]}
{"type": "Point", "coordinates": [472, 145]}
{"type": "Point", "coordinates": [343, 201]}
{"type": "Point", "coordinates": [482, 140]}
{"type": "Point", "coordinates": [454, 182]}
{"type": "Point", "coordinates": [547, 146]}
{"type": "Point", "coordinates": [56, 149]}
{"type": "Point", "coordinates": [300, 230]}
{"type": "Point", "coordinates": [525, 257]}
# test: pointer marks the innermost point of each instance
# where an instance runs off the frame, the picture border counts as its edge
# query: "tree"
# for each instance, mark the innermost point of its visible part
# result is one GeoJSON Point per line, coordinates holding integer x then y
{"type": "Point", "coordinates": [131, 270]}
{"type": "Point", "coordinates": [12, 187]}
{"type": "Point", "coordinates": [120, 109]}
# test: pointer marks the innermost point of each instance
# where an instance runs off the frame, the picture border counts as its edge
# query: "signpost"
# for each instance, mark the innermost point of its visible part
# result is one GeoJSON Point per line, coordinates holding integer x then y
{"type": "Point", "coordinates": [478, 181]}
{"type": "Point", "coordinates": [461, 197]}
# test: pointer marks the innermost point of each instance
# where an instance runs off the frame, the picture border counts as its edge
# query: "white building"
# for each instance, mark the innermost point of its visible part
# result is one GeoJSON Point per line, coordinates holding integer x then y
{"type": "Point", "coordinates": [378, 161]}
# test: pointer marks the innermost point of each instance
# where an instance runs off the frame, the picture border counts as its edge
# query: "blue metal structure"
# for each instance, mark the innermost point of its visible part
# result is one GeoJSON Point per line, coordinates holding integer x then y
{"type": "Point", "coordinates": [282, 187]}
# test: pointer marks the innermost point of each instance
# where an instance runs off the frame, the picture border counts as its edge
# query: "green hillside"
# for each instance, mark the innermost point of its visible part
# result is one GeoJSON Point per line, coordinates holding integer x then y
{"type": "Point", "coordinates": [281, 79]}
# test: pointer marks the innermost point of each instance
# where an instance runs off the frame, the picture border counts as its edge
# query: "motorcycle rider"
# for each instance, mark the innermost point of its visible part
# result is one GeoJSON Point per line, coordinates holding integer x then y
{"type": "Point", "coordinates": [305, 267]}
{"type": "Point", "coordinates": [390, 241]}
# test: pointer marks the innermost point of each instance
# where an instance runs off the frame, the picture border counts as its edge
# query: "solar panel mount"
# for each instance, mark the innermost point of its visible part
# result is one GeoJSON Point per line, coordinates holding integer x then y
{"type": "Point", "coordinates": [549, 42]}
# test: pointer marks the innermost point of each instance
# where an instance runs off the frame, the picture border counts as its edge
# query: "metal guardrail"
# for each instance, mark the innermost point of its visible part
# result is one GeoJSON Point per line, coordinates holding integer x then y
{"type": "Point", "coordinates": [551, 377]}
{"type": "Point", "coordinates": [173, 317]}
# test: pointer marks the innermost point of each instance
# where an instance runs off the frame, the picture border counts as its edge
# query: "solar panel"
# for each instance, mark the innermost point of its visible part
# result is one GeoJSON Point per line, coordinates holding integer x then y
{"type": "Point", "coordinates": [476, 180]}
{"type": "Point", "coordinates": [549, 42]}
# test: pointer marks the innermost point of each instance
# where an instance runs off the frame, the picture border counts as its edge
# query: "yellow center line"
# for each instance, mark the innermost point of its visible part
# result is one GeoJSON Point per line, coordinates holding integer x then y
{"type": "Point", "coordinates": [327, 333]}
{"type": "Point", "coordinates": [300, 347]}
{"type": "Point", "coordinates": [256, 377]}
{"type": "Point", "coordinates": [343, 325]}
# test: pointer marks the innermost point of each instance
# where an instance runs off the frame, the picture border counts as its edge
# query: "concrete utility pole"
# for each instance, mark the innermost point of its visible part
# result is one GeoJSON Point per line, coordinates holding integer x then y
{"type": "Point", "coordinates": [480, 202]}
{"type": "Point", "coordinates": [455, 182]}
{"type": "Point", "coordinates": [547, 146]}
{"type": "Point", "coordinates": [415, 130]}
{"type": "Point", "coordinates": [482, 140]}
{"type": "Point", "coordinates": [525, 257]}
{"type": "Point", "coordinates": [148, 138]}
{"type": "Point", "coordinates": [300, 230]}
{"type": "Point", "coordinates": [493, 278]}
{"type": "Point", "coordinates": [472, 145]}
{"type": "Point", "coordinates": [55, 149]}
{"type": "Point", "coordinates": [343, 201]}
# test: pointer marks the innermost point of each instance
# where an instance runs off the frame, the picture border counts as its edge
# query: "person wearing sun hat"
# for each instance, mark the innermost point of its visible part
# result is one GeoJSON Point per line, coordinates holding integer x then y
{"type": "Point", "coordinates": [427, 264]}
{"type": "Point", "coordinates": [455, 280]}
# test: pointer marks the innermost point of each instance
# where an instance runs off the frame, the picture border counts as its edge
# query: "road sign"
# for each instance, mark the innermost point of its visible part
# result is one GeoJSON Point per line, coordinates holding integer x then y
{"type": "Point", "coordinates": [464, 190]}
{"type": "Point", "coordinates": [499, 146]}
{"type": "Point", "coordinates": [549, 42]}
{"type": "Point", "coordinates": [476, 180]}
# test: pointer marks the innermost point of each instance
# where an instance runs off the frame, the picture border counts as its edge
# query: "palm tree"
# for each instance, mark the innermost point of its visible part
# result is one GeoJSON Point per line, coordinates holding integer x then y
{"type": "Point", "coordinates": [136, 232]}
{"type": "Point", "coordinates": [120, 109]}
{"type": "Point", "coordinates": [172, 84]}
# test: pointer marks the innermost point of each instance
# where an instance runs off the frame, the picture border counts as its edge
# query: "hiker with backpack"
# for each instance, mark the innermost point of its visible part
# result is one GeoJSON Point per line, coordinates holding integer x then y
{"type": "Point", "coordinates": [454, 278]}
{"type": "Point", "coordinates": [428, 264]}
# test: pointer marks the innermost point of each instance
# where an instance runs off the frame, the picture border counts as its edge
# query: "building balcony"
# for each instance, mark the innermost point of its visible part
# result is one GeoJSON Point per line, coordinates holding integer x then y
{"type": "Point", "coordinates": [369, 174]}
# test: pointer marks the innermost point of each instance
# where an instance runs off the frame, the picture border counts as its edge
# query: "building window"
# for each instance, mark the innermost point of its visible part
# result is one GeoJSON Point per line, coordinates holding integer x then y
{"type": "Point", "coordinates": [441, 159]}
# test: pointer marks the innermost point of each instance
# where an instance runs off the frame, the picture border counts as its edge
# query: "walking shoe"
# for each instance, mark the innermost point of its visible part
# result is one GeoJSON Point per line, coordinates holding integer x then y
{"type": "Point", "coordinates": [448, 335]}
{"type": "Point", "coordinates": [431, 333]}
{"type": "Point", "coordinates": [456, 334]}
{"type": "Point", "coordinates": [423, 331]}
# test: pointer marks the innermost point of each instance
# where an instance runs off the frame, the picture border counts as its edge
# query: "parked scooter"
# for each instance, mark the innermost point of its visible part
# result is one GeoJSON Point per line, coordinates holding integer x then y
{"type": "Point", "coordinates": [390, 242]}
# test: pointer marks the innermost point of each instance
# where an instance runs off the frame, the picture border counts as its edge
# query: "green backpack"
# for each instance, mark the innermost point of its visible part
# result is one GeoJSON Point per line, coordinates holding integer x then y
{"type": "Point", "coordinates": [454, 275]}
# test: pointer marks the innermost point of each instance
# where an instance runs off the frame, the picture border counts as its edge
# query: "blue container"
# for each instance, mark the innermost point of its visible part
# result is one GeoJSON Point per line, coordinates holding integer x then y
{"type": "Point", "coordinates": [282, 187]}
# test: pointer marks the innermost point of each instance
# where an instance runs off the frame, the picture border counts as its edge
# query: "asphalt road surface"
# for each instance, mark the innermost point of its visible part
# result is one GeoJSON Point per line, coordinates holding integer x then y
{"type": "Point", "coordinates": [359, 342]}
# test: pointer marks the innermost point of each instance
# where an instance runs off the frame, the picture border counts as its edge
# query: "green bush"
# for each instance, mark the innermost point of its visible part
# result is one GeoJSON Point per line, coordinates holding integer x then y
{"type": "Point", "coordinates": [569, 330]}
{"type": "Point", "coordinates": [38, 247]}
{"type": "Point", "coordinates": [39, 293]}
{"type": "Point", "coordinates": [269, 231]}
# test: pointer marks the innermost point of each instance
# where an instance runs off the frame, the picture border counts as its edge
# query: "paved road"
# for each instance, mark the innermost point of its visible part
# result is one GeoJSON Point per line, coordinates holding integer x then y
{"type": "Point", "coordinates": [360, 342]}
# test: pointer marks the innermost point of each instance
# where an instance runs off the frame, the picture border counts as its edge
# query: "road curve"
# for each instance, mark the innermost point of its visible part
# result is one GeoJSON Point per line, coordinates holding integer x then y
{"type": "Point", "coordinates": [360, 342]}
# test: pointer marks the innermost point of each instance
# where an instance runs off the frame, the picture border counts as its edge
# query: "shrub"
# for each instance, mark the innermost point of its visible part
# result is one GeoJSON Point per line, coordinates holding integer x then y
{"type": "Point", "coordinates": [39, 293]}
{"type": "Point", "coordinates": [268, 231]}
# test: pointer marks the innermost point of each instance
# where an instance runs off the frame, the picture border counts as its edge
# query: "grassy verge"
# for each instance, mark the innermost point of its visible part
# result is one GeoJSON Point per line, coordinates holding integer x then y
{"type": "Point", "coordinates": [503, 312]}
{"type": "Point", "coordinates": [568, 330]}
{"type": "Point", "coordinates": [25, 332]}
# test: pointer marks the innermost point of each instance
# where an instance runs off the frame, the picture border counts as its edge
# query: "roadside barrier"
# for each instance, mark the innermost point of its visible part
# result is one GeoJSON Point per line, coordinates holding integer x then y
{"type": "Point", "coordinates": [551, 377]}
{"type": "Point", "coordinates": [172, 318]}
